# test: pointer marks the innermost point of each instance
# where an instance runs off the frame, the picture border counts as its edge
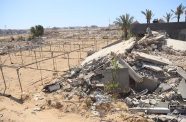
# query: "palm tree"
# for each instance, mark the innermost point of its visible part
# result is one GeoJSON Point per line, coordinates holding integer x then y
{"type": "Point", "coordinates": [179, 11]}
{"type": "Point", "coordinates": [148, 14]}
{"type": "Point", "coordinates": [124, 21]}
{"type": "Point", "coordinates": [168, 16]}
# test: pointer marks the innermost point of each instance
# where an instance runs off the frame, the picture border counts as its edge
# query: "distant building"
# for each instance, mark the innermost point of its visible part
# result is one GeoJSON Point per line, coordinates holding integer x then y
{"type": "Point", "coordinates": [161, 21]}
{"type": "Point", "coordinates": [136, 22]}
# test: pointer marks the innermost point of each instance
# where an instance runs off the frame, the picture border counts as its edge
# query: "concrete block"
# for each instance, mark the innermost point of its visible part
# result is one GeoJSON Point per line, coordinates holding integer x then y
{"type": "Point", "coordinates": [150, 84]}
{"type": "Point", "coordinates": [122, 77]}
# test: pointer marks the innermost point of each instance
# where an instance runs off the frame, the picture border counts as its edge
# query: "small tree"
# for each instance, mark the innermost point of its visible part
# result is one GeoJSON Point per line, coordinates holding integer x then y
{"type": "Point", "coordinates": [168, 17]}
{"type": "Point", "coordinates": [148, 14]}
{"type": "Point", "coordinates": [179, 11]}
{"type": "Point", "coordinates": [37, 31]}
{"type": "Point", "coordinates": [124, 21]}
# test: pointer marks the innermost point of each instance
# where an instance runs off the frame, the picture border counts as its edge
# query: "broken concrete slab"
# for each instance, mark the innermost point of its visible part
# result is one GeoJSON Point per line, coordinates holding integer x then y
{"type": "Point", "coordinates": [154, 110]}
{"type": "Point", "coordinates": [181, 89]}
{"type": "Point", "coordinates": [164, 87]}
{"type": "Point", "coordinates": [152, 67]}
{"type": "Point", "coordinates": [173, 80]}
{"type": "Point", "coordinates": [152, 39]}
{"type": "Point", "coordinates": [162, 104]}
{"type": "Point", "coordinates": [181, 72]}
{"type": "Point", "coordinates": [176, 44]}
{"type": "Point", "coordinates": [151, 58]}
{"type": "Point", "coordinates": [141, 82]}
{"type": "Point", "coordinates": [132, 73]}
{"type": "Point", "coordinates": [119, 48]}
{"type": "Point", "coordinates": [148, 83]}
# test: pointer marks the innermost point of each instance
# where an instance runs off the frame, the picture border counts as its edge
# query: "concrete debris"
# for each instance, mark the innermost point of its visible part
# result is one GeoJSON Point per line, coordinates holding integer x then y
{"type": "Point", "coordinates": [153, 68]}
{"type": "Point", "coordinates": [151, 58]}
{"type": "Point", "coordinates": [147, 83]}
{"type": "Point", "coordinates": [163, 87]}
{"type": "Point", "coordinates": [129, 102]}
{"type": "Point", "coordinates": [177, 108]}
{"type": "Point", "coordinates": [37, 109]}
{"type": "Point", "coordinates": [176, 44]}
{"type": "Point", "coordinates": [74, 72]}
{"type": "Point", "coordinates": [181, 89]}
{"type": "Point", "coordinates": [132, 71]}
{"type": "Point", "coordinates": [181, 72]}
{"type": "Point", "coordinates": [165, 118]}
{"type": "Point", "coordinates": [52, 87]}
{"type": "Point", "coordinates": [153, 102]}
{"type": "Point", "coordinates": [95, 113]}
{"type": "Point", "coordinates": [154, 110]}
{"type": "Point", "coordinates": [151, 40]}
{"type": "Point", "coordinates": [119, 48]}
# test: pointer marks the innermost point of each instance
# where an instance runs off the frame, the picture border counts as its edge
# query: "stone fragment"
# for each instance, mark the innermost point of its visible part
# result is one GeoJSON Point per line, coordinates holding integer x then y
{"type": "Point", "coordinates": [152, 101]}
{"type": "Point", "coordinates": [146, 101]}
{"type": "Point", "coordinates": [67, 87]}
{"type": "Point", "coordinates": [128, 101]}
{"type": "Point", "coordinates": [52, 87]}
{"type": "Point", "coordinates": [165, 87]}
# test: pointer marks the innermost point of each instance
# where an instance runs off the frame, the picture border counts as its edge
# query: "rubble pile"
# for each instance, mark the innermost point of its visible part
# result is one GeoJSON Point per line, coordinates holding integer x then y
{"type": "Point", "coordinates": [134, 72]}
{"type": "Point", "coordinates": [16, 46]}
{"type": "Point", "coordinates": [85, 82]}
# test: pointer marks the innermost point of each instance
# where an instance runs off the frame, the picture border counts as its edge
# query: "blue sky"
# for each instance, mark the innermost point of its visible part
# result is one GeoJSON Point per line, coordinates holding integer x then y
{"type": "Point", "coordinates": [22, 14]}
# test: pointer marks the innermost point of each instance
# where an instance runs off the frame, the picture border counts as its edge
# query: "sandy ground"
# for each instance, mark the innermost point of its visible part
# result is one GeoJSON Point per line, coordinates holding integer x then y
{"type": "Point", "coordinates": [7, 37]}
{"type": "Point", "coordinates": [10, 107]}
{"type": "Point", "coordinates": [12, 111]}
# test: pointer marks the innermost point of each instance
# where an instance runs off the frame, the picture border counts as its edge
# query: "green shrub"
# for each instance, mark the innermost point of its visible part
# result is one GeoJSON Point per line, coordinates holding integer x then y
{"type": "Point", "coordinates": [37, 31]}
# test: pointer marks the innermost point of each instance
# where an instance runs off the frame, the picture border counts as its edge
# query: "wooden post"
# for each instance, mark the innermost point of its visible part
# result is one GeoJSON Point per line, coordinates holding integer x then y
{"type": "Point", "coordinates": [18, 76]}
{"type": "Point", "coordinates": [3, 79]}
{"type": "Point", "coordinates": [70, 46]}
{"type": "Point", "coordinates": [60, 46]}
{"type": "Point", "coordinates": [52, 55]}
{"type": "Point", "coordinates": [40, 51]}
{"type": "Point", "coordinates": [82, 44]}
{"type": "Point", "coordinates": [21, 56]}
{"type": "Point", "coordinates": [50, 46]}
{"type": "Point", "coordinates": [1, 60]}
{"type": "Point", "coordinates": [41, 73]}
{"type": "Point", "coordinates": [79, 51]}
{"type": "Point", "coordinates": [95, 45]}
{"type": "Point", "coordinates": [10, 58]}
{"type": "Point", "coordinates": [36, 59]}
{"type": "Point", "coordinates": [68, 60]}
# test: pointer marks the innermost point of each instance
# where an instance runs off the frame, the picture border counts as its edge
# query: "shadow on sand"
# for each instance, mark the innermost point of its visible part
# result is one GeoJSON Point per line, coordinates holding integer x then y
{"type": "Point", "coordinates": [20, 101]}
